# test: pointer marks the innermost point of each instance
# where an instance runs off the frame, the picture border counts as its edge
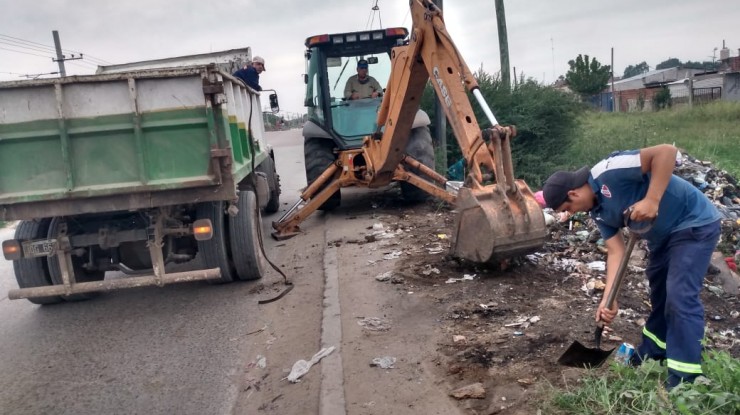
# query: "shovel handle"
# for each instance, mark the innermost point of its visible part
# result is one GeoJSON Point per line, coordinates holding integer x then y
{"type": "Point", "coordinates": [621, 271]}
{"type": "Point", "coordinates": [635, 233]}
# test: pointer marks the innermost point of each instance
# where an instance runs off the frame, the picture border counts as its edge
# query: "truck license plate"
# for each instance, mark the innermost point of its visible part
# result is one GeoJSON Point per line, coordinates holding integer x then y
{"type": "Point", "coordinates": [46, 247]}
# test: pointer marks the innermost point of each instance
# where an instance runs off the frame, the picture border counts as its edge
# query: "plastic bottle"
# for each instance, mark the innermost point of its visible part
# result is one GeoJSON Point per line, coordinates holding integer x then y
{"type": "Point", "coordinates": [624, 353]}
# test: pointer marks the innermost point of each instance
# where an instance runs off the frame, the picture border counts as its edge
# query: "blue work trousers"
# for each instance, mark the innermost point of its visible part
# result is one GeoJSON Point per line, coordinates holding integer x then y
{"type": "Point", "coordinates": [675, 328]}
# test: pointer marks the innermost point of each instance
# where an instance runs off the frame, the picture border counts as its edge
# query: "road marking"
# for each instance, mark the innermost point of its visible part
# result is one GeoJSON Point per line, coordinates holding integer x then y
{"type": "Point", "coordinates": [331, 399]}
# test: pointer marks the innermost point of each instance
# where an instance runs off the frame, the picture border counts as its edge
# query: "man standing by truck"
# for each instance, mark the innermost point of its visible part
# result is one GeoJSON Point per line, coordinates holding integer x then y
{"type": "Point", "coordinates": [250, 74]}
{"type": "Point", "coordinates": [681, 242]}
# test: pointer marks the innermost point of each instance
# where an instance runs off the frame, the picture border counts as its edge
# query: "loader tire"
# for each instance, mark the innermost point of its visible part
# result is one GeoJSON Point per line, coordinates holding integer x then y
{"type": "Point", "coordinates": [33, 272]}
{"type": "Point", "coordinates": [319, 154]}
{"type": "Point", "coordinates": [81, 274]}
{"type": "Point", "coordinates": [215, 251]}
{"type": "Point", "coordinates": [420, 148]}
{"type": "Point", "coordinates": [245, 241]}
{"type": "Point", "coordinates": [273, 183]}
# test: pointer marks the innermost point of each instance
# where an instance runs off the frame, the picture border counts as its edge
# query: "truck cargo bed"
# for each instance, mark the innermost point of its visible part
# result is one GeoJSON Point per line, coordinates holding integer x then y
{"type": "Point", "coordinates": [125, 141]}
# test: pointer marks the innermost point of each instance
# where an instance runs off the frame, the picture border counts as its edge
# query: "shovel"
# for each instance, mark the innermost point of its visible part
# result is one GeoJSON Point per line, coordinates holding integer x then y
{"type": "Point", "coordinates": [578, 355]}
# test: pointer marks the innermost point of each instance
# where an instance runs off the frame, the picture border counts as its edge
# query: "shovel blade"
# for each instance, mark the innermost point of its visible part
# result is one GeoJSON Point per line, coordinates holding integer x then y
{"type": "Point", "coordinates": [578, 355]}
{"type": "Point", "coordinates": [493, 225]}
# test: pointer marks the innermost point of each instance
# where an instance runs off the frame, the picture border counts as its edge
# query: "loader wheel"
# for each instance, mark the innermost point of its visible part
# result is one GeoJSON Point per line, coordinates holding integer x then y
{"type": "Point", "coordinates": [215, 251]}
{"type": "Point", "coordinates": [273, 183]}
{"type": "Point", "coordinates": [81, 274]}
{"type": "Point", "coordinates": [245, 242]}
{"type": "Point", "coordinates": [419, 147]}
{"type": "Point", "coordinates": [33, 272]}
{"type": "Point", "coordinates": [319, 154]}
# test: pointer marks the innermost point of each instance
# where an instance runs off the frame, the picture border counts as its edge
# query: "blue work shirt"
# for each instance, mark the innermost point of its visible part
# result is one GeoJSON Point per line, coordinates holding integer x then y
{"type": "Point", "coordinates": [250, 77]}
{"type": "Point", "coordinates": [619, 183]}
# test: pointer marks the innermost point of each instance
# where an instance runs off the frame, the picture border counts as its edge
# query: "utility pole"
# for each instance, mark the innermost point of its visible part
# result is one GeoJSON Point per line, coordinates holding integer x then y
{"type": "Point", "coordinates": [503, 44]}
{"type": "Point", "coordinates": [440, 121]}
{"type": "Point", "coordinates": [61, 58]}
{"type": "Point", "coordinates": [613, 100]}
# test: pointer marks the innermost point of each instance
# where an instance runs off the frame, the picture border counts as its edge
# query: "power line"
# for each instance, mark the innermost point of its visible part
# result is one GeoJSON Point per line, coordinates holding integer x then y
{"type": "Point", "coordinates": [26, 41]}
{"type": "Point", "coordinates": [40, 47]}
{"type": "Point", "coordinates": [22, 46]}
{"type": "Point", "coordinates": [26, 53]}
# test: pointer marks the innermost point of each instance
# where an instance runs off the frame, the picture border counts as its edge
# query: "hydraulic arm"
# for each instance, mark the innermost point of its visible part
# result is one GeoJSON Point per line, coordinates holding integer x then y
{"type": "Point", "coordinates": [497, 215]}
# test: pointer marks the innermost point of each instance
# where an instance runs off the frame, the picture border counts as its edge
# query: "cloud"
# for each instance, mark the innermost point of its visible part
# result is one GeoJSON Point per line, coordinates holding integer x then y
{"type": "Point", "coordinates": [543, 35]}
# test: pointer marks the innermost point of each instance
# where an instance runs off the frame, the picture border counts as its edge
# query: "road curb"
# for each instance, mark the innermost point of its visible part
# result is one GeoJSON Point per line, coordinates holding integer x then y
{"type": "Point", "coordinates": [331, 398]}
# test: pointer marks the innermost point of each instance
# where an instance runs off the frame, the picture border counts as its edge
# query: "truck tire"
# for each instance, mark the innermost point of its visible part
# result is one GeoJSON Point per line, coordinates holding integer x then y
{"type": "Point", "coordinates": [81, 274]}
{"type": "Point", "coordinates": [33, 272]}
{"type": "Point", "coordinates": [245, 242]}
{"type": "Point", "coordinates": [215, 251]}
{"type": "Point", "coordinates": [273, 183]}
{"type": "Point", "coordinates": [319, 154]}
{"type": "Point", "coordinates": [420, 148]}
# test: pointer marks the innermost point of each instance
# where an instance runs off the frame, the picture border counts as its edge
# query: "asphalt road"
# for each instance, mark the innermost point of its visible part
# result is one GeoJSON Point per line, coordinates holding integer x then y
{"type": "Point", "coordinates": [179, 349]}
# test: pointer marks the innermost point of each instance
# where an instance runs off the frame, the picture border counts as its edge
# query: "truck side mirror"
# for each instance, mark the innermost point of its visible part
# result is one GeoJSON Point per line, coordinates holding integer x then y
{"type": "Point", "coordinates": [305, 78]}
{"type": "Point", "coordinates": [274, 106]}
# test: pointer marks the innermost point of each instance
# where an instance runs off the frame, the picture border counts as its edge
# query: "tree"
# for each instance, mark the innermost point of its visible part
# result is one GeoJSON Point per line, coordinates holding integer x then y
{"type": "Point", "coordinates": [587, 76]}
{"type": "Point", "coordinates": [669, 63]}
{"type": "Point", "coordinates": [635, 70]}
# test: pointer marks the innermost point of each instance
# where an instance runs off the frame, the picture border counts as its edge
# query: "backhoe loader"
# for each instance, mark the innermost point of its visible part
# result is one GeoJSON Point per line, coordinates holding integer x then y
{"type": "Point", "coordinates": [497, 216]}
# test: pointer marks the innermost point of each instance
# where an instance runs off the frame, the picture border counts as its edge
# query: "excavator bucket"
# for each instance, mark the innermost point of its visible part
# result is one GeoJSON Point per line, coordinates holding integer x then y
{"type": "Point", "coordinates": [492, 225]}
{"type": "Point", "coordinates": [499, 220]}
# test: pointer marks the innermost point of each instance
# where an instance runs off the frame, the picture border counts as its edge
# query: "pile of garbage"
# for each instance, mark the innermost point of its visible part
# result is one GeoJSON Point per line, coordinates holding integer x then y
{"type": "Point", "coordinates": [722, 189]}
{"type": "Point", "coordinates": [719, 186]}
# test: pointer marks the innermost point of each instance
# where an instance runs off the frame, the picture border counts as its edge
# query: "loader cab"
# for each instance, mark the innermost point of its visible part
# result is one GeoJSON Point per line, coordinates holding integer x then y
{"type": "Point", "coordinates": [331, 60]}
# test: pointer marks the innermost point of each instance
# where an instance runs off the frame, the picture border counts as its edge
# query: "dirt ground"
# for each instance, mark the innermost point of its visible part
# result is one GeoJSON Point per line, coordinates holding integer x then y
{"type": "Point", "coordinates": [506, 328]}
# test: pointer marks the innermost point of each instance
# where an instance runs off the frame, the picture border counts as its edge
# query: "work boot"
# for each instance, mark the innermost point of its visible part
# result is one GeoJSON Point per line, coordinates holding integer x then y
{"type": "Point", "coordinates": [675, 380]}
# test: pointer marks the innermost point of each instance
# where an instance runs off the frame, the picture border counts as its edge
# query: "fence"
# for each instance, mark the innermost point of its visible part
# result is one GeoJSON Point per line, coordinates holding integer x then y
{"type": "Point", "coordinates": [701, 95]}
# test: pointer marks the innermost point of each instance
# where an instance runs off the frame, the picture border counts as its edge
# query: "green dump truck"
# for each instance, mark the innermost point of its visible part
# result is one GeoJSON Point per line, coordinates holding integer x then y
{"type": "Point", "coordinates": [138, 166]}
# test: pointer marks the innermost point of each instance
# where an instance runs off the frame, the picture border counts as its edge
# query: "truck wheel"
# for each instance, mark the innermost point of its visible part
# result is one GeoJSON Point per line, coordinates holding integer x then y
{"type": "Point", "coordinates": [273, 182]}
{"type": "Point", "coordinates": [215, 251]}
{"type": "Point", "coordinates": [245, 244]}
{"type": "Point", "coordinates": [419, 147]}
{"type": "Point", "coordinates": [319, 154]}
{"type": "Point", "coordinates": [81, 274]}
{"type": "Point", "coordinates": [33, 272]}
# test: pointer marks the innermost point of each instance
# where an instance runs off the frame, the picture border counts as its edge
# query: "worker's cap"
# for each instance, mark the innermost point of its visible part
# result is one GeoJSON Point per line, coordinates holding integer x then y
{"type": "Point", "coordinates": [558, 185]}
{"type": "Point", "coordinates": [362, 63]}
{"type": "Point", "coordinates": [259, 59]}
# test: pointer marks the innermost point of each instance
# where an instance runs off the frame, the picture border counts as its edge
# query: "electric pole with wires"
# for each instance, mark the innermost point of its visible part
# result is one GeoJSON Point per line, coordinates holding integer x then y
{"type": "Point", "coordinates": [61, 58]}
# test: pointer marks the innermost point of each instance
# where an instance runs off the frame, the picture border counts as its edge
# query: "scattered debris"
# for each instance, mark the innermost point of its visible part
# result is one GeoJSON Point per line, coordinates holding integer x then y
{"type": "Point", "coordinates": [458, 338]}
{"type": "Point", "coordinates": [393, 255]}
{"type": "Point", "coordinates": [474, 391]}
{"type": "Point", "coordinates": [429, 270]}
{"type": "Point", "coordinates": [301, 367]}
{"type": "Point", "coordinates": [466, 277]}
{"type": "Point", "coordinates": [374, 324]}
{"type": "Point", "coordinates": [385, 276]}
{"type": "Point", "coordinates": [261, 362]}
{"type": "Point", "coordinates": [385, 362]}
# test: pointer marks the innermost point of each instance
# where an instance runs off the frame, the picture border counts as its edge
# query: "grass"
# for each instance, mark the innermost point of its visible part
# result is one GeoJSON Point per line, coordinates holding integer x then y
{"type": "Point", "coordinates": [620, 390]}
{"type": "Point", "coordinates": [707, 132]}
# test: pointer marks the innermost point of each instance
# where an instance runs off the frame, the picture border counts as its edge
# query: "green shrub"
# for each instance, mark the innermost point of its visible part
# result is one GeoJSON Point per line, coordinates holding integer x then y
{"type": "Point", "coordinates": [546, 120]}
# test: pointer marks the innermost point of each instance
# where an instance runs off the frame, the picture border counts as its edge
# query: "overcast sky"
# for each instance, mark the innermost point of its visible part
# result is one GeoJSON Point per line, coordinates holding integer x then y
{"type": "Point", "coordinates": [543, 34]}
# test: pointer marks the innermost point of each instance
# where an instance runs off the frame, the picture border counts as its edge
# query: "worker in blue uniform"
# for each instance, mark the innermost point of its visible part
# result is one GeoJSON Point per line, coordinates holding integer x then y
{"type": "Point", "coordinates": [685, 231]}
